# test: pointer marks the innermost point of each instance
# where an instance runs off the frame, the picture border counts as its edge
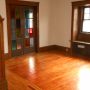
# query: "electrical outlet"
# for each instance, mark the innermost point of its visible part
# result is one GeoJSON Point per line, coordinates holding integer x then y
{"type": "Point", "coordinates": [66, 49]}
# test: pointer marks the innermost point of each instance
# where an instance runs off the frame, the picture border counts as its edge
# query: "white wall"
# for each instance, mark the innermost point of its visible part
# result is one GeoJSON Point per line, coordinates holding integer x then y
{"type": "Point", "coordinates": [61, 22]}
{"type": "Point", "coordinates": [44, 16]}
{"type": "Point", "coordinates": [54, 22]}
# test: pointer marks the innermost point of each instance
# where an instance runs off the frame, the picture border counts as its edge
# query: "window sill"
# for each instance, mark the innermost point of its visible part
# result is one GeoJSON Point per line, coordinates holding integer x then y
{"type": "Point", "coordinates": [85, 33]}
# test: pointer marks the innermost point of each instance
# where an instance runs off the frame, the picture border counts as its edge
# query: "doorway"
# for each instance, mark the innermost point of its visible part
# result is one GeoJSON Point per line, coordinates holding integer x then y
{"type": "Point", "coordinates": [23, 27]}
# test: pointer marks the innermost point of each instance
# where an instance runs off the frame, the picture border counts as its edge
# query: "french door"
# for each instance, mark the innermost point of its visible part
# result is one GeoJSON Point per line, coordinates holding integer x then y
{"type": "Point", "coordinates": [23, 29]}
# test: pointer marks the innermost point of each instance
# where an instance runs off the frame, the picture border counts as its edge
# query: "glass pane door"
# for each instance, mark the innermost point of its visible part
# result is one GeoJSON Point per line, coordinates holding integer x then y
{"type": "Point", "coordinates": [16, 31]}
{"type": "Point", "coordinates": [29, 29]}
{"type": "Point", "coordinates": [22, 30]}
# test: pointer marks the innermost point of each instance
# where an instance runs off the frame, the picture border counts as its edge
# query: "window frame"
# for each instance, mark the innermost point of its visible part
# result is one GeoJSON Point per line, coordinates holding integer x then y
{"type": "Point", "coordinates": [82, 19]}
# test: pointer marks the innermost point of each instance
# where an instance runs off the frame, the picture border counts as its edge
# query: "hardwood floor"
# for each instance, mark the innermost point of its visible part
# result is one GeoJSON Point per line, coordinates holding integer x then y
{"type": "Point", "coordinates": [48, 71]}
{"type": "Point", "coordinates": [16, 82]}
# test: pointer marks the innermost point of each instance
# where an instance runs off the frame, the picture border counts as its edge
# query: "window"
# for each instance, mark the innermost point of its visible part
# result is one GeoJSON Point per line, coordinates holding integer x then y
{"type": "Point", "coordinates": [86, 20]}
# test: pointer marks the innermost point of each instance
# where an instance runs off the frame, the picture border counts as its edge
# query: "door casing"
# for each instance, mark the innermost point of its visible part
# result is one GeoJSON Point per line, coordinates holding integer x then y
{"type": "Point", "coordinates": [22, 3]}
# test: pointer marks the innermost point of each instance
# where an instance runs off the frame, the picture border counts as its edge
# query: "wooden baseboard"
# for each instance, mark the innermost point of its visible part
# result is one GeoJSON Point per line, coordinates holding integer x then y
{"type": "Point", "coordinates": [55, 47]}
{"type": "Point", "coordinates": [3, 85]}
{"type": "Point", "coordinates": [46, 48]}
{"type": "Point", "coordinates": [63, 49]}
{"type": "Point", "coordinates": [6, 56]}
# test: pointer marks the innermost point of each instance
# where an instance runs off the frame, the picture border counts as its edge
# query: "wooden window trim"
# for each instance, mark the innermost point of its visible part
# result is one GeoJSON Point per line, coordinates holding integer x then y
{"type": "Point", "coordinates": [85, 36]}
{"type": "Point", "coordinates": [82, 16]}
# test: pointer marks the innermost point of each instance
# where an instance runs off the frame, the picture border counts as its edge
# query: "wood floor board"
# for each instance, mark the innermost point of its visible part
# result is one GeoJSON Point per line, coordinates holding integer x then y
{"type": "Point", "coordinates": [16, 82]}
{"type": "Point", "coordinates": [51, 70]}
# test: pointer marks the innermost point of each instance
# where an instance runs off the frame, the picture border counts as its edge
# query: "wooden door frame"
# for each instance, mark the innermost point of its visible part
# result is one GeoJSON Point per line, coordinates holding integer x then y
{"type": "Point", "coordinates": [22, 3]}
{"type": "Point", "coordinates": [3, 81]}
{"type": "Point", "coordinates": [2, 39]}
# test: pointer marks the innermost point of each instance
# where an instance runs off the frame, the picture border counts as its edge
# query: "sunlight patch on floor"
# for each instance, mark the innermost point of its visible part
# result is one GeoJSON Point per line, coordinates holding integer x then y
{"type": "Point", "coordinates": [84, 78]}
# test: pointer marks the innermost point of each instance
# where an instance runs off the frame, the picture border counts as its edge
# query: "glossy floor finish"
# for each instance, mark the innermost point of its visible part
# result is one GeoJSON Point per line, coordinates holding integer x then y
{"type": "Point", "coordinates": [48, 71]}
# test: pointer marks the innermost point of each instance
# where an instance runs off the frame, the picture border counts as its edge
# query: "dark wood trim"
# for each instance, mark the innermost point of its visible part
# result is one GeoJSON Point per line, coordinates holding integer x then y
{"type": "Point", "coordinates": [72, 18]}
{"type": "Point", "coordinates": [37, 33]}
{"type": "Point", "coordinates": [63, 49]}
{"type": "Point", "coordinates": [3, 82]}
{"type": "Point", "coordinates": [6, 56]}
{"type": "Point", "coordinates": [8, 28]}
{"type": "Point", "coordinates": [22, 3]}
{"type": "Point", "coordinates": [47, 48]}
{"type": "Point", "coordinates": [2, 38]}
{"type": "Point", "coordinates": [81, 3]}
{"type": "Point", "coordinates": [3, 85]}
{"type": "Point", "coordinates": [55, 47]}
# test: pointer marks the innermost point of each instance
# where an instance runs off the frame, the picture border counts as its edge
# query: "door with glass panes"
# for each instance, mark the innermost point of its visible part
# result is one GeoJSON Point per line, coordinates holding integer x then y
{"type": "Point", "coordinates": [22, 29]}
